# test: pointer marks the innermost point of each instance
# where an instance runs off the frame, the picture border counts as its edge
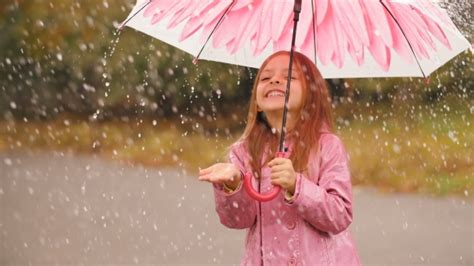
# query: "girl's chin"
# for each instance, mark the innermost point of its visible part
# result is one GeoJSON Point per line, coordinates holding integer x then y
{"type": "Point", "coordinates": [273, 104]}
{"type": "Point", "coordinates": [270, 109]}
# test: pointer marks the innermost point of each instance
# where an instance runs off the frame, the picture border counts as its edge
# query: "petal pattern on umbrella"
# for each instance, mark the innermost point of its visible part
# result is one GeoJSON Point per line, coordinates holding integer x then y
{"type": "Point", "coordinates": [262, 35]}
{"type": "Point", "coordinates": [356, 34]}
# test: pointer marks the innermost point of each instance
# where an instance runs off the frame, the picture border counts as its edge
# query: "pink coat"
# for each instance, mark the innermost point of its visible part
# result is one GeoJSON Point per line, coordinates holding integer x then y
{"type": "Point", "coordinates": [312, 228]}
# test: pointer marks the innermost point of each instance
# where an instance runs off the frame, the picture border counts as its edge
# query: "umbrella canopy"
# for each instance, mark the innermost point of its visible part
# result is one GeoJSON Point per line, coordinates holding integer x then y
{"type": "Point", "coordinates": [346, 39]}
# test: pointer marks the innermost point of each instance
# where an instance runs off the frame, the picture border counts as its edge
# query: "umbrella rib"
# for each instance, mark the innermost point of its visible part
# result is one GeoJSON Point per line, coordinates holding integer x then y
{"type": "Point", "coordinates": [214, 29]}
{"type": "Point", "coordinates": [404, 35]}
{"type": "Point", "coordinates": [314, 33]}
{"type": "Point", "coordinates": [131, 17]}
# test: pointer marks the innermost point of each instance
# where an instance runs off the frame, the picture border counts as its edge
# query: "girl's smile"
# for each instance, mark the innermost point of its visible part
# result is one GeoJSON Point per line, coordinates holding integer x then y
{"type": "Point", "coordinates": [275, 93]}
{"type": "Point", "coordinates": [272, 86]}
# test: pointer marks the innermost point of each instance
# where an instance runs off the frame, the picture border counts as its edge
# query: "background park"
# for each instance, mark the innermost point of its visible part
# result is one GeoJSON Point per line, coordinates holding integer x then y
{"type": "Point", "coordinates": [74, 91]}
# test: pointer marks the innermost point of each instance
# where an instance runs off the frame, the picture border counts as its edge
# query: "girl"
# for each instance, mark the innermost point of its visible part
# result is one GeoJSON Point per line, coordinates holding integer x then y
{"type": "Point", "coordinates": [308, 223]}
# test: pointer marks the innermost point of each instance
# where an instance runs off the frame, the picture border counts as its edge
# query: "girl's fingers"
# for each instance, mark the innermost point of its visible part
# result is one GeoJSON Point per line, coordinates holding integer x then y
{"type": "Point", "coordinates": [272, 162]}
{"type": "Point", "coordinates": [205, 171]}
{"type": "Point", "coordinates": [207, 181]}
{"type": "Point", "coordinates": [279, 168]}
{"type": "Point", "coordinates": [212, 178]}
{"type": "Point", "coordinates": [216, 173]}
{"type": "Point", "coordinates": [278, 175]}
{"type": "Point", "coordinates": [208, 177]}
{"type": "Point", "coordinates": [278, 161]}
{"type": "Point", "coordinates": [278, 182]}
{"type": "Point", "coordinates": [203, 177]}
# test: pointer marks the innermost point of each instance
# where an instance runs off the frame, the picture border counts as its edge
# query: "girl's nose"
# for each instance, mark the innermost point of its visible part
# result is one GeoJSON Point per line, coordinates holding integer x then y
{"type": "Point", "coordinates": [275, 81]}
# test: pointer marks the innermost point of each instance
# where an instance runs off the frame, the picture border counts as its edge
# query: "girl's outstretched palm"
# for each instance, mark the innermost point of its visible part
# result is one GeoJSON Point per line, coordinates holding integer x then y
{"type": "Point", "coordinates": [221, 173]}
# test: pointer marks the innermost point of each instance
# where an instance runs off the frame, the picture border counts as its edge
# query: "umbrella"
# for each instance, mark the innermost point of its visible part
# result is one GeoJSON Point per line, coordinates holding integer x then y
{"type": "Point", "coordinates": [346, 39]}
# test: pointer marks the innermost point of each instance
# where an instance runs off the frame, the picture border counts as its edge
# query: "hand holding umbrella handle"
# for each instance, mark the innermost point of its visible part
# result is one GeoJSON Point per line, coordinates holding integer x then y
{"type": "Point", "coordinates": [262, 197]}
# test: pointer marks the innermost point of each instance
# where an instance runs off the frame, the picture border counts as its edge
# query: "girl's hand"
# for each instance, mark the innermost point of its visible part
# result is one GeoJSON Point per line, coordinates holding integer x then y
{"type": "Point", "coordinates": [283, 174]}
{"type": "Point", "coordinates": [221, 173]}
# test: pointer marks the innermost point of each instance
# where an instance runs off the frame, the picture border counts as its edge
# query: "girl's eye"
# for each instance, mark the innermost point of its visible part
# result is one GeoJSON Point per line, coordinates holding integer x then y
{"type": "Point", "coordinates": [264, 78]}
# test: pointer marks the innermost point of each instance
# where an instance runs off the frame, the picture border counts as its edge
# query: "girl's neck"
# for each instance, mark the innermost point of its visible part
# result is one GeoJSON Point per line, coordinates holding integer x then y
{"type": "Point", "coordinates": [275, 120]}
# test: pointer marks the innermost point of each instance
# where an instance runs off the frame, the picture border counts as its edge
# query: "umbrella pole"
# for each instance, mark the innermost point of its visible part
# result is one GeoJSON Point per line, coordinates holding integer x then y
{"type": "Point", "coordinates": [296, 16]}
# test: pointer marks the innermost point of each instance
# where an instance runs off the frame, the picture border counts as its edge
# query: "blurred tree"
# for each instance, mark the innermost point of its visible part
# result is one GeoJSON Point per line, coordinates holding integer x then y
{"type": "Point", "coordinates": [65, 56]}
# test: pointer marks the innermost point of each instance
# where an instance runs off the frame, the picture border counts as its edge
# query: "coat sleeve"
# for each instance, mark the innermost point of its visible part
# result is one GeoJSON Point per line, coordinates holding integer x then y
{"type": "Point", "coordinates": [326, 205]}
{"type": "Point", "coordinates": [236, 209]}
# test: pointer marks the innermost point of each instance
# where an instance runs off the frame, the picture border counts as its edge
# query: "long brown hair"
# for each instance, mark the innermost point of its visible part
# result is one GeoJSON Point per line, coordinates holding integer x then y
{"type": "Point", "coordinates": [314, 114]}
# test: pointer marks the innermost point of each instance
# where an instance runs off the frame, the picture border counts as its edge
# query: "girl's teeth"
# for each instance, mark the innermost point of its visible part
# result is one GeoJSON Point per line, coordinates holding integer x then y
{"type": "Point", "coordinates": [275, 94]}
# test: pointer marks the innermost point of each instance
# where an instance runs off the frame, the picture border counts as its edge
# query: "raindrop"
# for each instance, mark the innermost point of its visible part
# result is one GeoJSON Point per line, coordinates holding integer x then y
{"type": "Point", "coordinates": [88, 87]}
{"type": "Point", "coordinates": [7, 161]}
{"type": "Point", "coordinates": [396, 148]}
{"type": "Point", "coordinates": [452, 136]}
{"type": "Point", "coordinates": [82, 47]}
{"type": "Point", "coordinates": [175, 157]}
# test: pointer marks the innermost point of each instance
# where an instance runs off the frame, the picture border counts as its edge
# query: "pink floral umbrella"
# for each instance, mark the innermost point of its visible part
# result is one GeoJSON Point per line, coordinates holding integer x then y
{"type": "Point", "coordinates": [346, 39]}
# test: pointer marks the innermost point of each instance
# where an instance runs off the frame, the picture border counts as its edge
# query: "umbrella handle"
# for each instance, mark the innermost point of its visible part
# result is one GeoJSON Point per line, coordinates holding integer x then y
{"type": "Point", "coordinates": [262, 197]}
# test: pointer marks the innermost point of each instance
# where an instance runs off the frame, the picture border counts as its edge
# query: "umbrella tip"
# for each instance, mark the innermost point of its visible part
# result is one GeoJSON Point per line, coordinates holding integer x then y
{"type": "Point", "coordinates": [427, 81]}
{"type": "Point", "coordinates": [121, 27]}
{"type": "Point", "coordinates": [195, 60]}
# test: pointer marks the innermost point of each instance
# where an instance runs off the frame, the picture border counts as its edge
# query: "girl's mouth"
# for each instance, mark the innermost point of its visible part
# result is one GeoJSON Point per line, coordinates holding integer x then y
{"type": "Point", "coordinates": [275, 93]}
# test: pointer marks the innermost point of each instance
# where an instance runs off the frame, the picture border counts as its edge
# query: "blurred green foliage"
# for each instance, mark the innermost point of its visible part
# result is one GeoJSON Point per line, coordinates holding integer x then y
{"type": "Point", "coordinates": [65, 56]}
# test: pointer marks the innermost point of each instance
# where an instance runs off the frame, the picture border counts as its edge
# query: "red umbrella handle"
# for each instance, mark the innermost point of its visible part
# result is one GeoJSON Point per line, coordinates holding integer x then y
{"type": "Point", "coordinates": [262, 197]}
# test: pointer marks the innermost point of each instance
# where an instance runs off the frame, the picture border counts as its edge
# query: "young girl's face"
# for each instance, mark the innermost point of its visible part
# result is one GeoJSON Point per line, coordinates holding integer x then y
{"type": "Point", "coordinates": [271, 86]}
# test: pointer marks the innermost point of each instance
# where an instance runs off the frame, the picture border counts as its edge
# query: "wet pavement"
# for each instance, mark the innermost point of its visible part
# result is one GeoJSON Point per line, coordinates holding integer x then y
{"type": "Point", "coordinates": [58, 208]}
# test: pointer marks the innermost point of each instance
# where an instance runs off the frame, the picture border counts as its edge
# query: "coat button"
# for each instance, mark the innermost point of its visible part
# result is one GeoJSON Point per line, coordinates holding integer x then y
{"type": "Point", "coordinates": [291, 225]}
{"type": "Point", "coordinates": [292, 261]}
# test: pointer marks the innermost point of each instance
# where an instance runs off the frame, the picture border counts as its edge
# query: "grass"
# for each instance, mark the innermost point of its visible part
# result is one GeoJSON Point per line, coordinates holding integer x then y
{"type": "Point", "coordinates": [430, 154]}
{"type": "Point", "coordinates": [427, 151]}
{"type": "Point", "coordinates": [418, 160]}
{"type": "Point", "coordinates": [139, 141]}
